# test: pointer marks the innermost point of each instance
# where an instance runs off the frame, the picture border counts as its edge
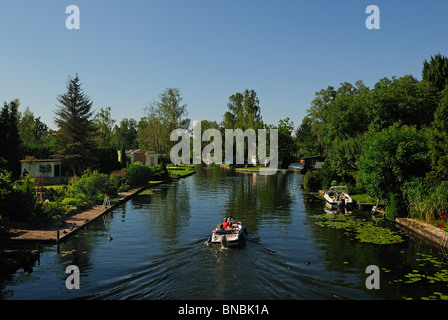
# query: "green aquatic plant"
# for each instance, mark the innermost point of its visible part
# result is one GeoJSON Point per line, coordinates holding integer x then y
{"type": "Point", "coordinates": [374, 234]}
{"type": "Point", "coordinates": [64, 253]}
{"type": "Point", "coordinates": [364, 230]}
{"type": "Point", "coordinates": [146, 192]}
{"type": "Point", "coordinates": [433, 271]}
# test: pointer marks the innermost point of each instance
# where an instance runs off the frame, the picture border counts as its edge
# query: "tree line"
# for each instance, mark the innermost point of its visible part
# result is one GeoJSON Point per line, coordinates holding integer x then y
{"type": "Point", "coordinates": [88, 140]}
{"type": "Point", "coordinates": [390, 141]}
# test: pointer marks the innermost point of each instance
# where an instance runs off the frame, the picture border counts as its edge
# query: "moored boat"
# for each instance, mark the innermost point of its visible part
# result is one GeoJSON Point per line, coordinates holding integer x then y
{"type": "Point", "coordinates": [337, 196]}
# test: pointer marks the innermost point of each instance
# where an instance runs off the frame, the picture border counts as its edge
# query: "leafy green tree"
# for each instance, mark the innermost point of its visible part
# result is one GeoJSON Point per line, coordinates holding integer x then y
{"type": "Point", "coordinates": [391, 157]}
{"type": "Point", "coordinates": [149, 129]}
{"type": "Point", "coordinates": [33, 132]}
{"type": "Point", "coordinates": [126, 133]}
{"type": "Point", "coordinates": [439, 142]}
{"type": "Point", "coordinates": [244, 111]}
{"type": "Point", "coordinates": [10, 138]}
{"type": "Point", "coordinates": [173, 115]}
{"type": "Point", "coordinates": [403, 100]}
{"type": "Point", "coordinates": [287, 146]}
{"type": "Point", "coordinates": [307, 143]}
{"type": "Point", "coordinates": [436, 71]}
{"type": "Point", "coordinates": [75, 138]}
{"type": "Point", "coordinates": [317, 113]}
{"type": "Point", "coordinates": [204, 126]}
{"type": "Point", "coordinates": [337, 114]}
{"type": "Point", "coordinates": [342, 160]}
{"type": "Point", "coordinates": [351, 110]}
{"type": "Point", "coordinates": [104, 127]}
{"type": "Point", "coordinates": [349, 117]}
{"type": "Point", "coordinates": [162, 118]}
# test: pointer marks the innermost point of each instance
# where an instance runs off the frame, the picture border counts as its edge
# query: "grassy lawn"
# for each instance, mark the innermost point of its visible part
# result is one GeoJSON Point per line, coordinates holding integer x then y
{"type": "Point", "coordinates": [181, 169]}
{"type": "Point", "coordinates": [364, 198]}
{"type": "Point", "coordinates": [180, 172]}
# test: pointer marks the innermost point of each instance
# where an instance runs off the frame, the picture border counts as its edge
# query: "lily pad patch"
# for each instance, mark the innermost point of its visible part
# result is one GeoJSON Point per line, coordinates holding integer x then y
{"type": "Point", "coordinates": [363, 230]}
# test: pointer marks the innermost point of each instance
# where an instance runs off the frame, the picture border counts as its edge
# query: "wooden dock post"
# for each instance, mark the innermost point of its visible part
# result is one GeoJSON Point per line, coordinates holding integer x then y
{"type": "Point", "coordinates": [38, 252]}
{"type": "Point", "coordinates": [57, 241]}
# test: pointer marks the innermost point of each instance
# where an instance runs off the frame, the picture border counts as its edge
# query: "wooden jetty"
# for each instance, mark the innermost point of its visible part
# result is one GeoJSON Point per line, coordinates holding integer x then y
{"type": "Point", "coordinates": [62, 230]}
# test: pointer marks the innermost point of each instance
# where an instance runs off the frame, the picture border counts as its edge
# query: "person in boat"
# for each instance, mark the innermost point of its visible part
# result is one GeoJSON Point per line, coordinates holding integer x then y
{"type": "Point", "coordinates": [224, 226]}
{"type": "Point", "coordinates": [230, 219]}
{"type": "Point", "coordinates": [218, 227]}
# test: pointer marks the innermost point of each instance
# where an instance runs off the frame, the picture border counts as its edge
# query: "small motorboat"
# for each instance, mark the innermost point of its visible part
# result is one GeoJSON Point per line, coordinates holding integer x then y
{"type": "Point", "coordinates": [337, 197]}
{"type": "Point", "coordinates": [232, 236]}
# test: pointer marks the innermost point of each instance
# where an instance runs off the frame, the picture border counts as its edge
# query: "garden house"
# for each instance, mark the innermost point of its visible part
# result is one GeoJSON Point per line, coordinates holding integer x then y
{"type": "Point", "coordinates": [146, 158]}
{"type": "Point", "coordinates": [48, 169]}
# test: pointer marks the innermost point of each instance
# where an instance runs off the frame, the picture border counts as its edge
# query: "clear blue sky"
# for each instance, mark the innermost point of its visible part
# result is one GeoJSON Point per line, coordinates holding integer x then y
{"type": "Point", "coordinates": [127, 52]}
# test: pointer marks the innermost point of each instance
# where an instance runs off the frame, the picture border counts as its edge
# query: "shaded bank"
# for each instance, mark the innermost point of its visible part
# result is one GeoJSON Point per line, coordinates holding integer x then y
{"type": "Point", "coordinates": [61, 230]}
{"type": "Point", "coordinates": [424, 230]}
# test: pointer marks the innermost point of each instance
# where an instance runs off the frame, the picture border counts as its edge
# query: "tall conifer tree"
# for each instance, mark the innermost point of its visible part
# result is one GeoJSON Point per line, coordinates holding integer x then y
{"type": "Point", "coordinates": [9, 137]}
{"type": "Point", "coordinates": [75, 137]}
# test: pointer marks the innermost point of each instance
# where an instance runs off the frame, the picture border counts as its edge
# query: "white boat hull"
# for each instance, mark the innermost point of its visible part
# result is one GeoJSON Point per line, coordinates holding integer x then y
{"type": "Point", "coordinates": [337, 204]}
{"type": "Point", "coordinates": [229, 238]}
{"type": "Point", "coordinates": [337, 199]}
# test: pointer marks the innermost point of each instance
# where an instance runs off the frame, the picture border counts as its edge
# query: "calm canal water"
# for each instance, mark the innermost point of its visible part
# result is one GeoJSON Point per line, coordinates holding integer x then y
{"type": "Point", "coordinates": [159, 249]}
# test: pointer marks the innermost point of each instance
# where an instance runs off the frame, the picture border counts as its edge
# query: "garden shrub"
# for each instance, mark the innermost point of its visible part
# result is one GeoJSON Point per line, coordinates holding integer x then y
{"type": "Point", "coordinates": [396, 206]}
{"type": "Point", "coordinates": [18, 201]}
{"type": "Point", "coordinates": [71, 202]}
{"type": "Point", "coordinates": [92, 184]}
{"type": "Point", "coordinates": [52, 209]}
{"type": "Point", "coordinates": [312, 181]}
{"type": "Point", "coordinates": [53, 193]}
{"type": "Point", "coordinates": [45, 212]}
{"type": "Point", "coordinates": [81, 197]}
{"type": "Point", "coordinates": [118, 180]}
{"type": "Point", "coordinates": [139, 175]}
{"type": "Point", "coordinates": [124, 188]}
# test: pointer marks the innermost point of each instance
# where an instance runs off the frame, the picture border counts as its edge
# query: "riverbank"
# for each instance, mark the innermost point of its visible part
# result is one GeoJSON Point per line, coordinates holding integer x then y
{"type": "Point", "coordinates": [65, 227]}
{"type": "Point", "coordinates": [180, 171]}
{"type": "Point", "coordinates": [415, 227]}
{"type": "Point", "coordinates": [61, 230]}
{"type": "Point", "coordinates": [259, 169]}
{"type": "Point", "coordinates": [250, 169]}
{"type": "Point", "coordinates": [423, 230]}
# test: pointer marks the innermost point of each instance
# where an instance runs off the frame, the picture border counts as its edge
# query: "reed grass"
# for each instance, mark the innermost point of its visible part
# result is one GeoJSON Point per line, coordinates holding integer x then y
{"type": "Point", "coordinates": [426, 202]}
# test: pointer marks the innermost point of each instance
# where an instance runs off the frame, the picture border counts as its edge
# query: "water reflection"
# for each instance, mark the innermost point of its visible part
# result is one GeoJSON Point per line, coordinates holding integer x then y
{"type": "Point", "coordinates": [159, 248]}
{"type": "Point", "coordinates": [255, 198]}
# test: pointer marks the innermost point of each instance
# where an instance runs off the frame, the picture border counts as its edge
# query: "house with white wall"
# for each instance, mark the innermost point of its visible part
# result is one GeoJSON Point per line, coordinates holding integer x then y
{"type": "Point", "coordinates": [48, 169]}
{"type": "Point", "coordinates": [146, 158]}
